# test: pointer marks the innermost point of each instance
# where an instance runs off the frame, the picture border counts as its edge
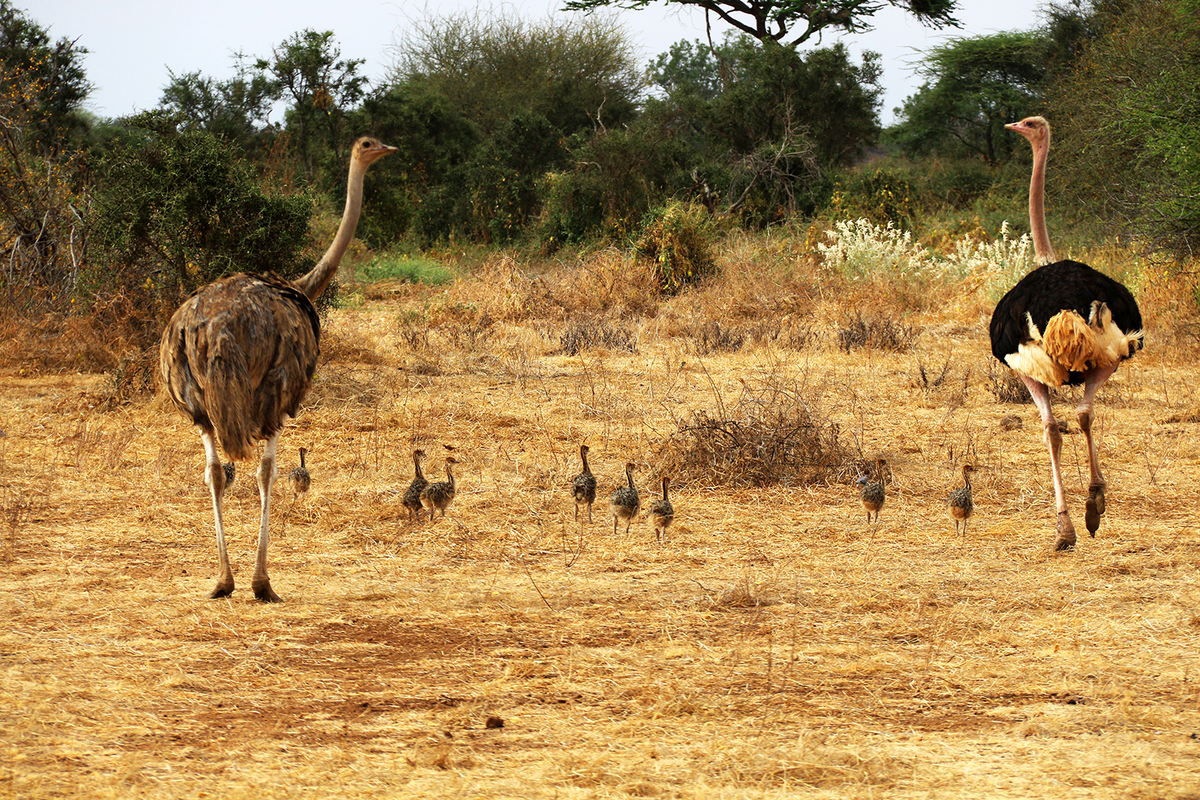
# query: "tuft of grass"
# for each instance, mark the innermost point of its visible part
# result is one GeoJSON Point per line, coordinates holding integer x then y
{"type": "Point", "coordinates": [877, 334]}
{"type": "Point", "coordinates": [403, 267]}
{"type": "Point", "coordinates": [1005, 386]}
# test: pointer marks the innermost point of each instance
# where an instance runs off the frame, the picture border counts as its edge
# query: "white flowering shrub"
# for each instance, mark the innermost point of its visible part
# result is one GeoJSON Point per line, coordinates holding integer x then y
{"type": "Point", "coordinates": [1001, 263]}
{"type": "Point", "coordinates": [861, 249]}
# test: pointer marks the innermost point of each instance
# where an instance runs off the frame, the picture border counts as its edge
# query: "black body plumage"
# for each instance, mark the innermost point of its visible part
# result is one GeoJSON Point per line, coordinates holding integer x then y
{"type": "Point", "coordinates": [1053, 288]}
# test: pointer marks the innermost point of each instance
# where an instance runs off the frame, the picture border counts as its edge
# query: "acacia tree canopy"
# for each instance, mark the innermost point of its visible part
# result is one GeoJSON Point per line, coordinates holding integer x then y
{"type": "Point", "coordinates": [793, 22]}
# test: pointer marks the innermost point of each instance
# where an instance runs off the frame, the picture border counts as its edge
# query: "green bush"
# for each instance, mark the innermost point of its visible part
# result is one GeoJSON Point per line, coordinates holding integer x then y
{"type": "Point", "coordinates": [677, 242]}
{"type": "Point", "coordinates": [615, 178]}
{"type": "Point", "coordinates": [180, 210]}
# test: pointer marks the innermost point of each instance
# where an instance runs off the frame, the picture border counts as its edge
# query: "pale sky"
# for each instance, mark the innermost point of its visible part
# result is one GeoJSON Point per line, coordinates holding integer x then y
{"type": "Point", "coordinates": [131, 43]}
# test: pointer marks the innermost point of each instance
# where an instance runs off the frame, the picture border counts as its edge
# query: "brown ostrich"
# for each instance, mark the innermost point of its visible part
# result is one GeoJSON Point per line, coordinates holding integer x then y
{"type": "Point", "coordinates": [438, 496]}
{"type": "Point", "coordinates": [625, 501]}
{"type": "Point", "coordinates": [584, 485]}
{"type": "Point", "coordinates": [237, 358]}
{"type": "Point", "coordinates": [1063, 323]}
{"type": "Point", "coordinates": [662, 513]}
{"type": "Point", "coordinates": [300, 479]}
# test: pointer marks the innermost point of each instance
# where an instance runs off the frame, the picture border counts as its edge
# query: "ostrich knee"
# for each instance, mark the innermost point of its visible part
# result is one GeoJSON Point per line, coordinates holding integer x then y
{"type": "Point", "coordinates": [1084, 416]}
{"type": "Point", "coordinates": [1052, 436]}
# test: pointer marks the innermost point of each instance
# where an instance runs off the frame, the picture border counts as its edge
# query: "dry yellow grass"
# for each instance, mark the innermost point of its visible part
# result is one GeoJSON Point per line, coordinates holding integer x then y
{"type": "Point", "coordinates": [775, 646]}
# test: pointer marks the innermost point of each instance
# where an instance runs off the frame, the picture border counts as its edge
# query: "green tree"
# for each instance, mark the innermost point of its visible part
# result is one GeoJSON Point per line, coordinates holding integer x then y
{"type": "Point", "coordinates": [180, 209]}
{"type": "Point", "coordinates": [973, 87]}
{"type": "Point", "coordinates": [793, 22]}
{"type": "Point", "coordinates": [307, 69]}
{"type": "Point", "coordinates": [235, 109]}
{"type": "Point", "coordinates": [45, 78]}
{"type": "Point", "coordinates": [434, 140]}
{"type": "Point", "coordinates": [1126, 144]}
{"type": "Point", "coordinates": [578, 74]}
{"type": "Point", "coordinates": [42, 230]}
{"type": "Point", "coordinates": [773, 90]}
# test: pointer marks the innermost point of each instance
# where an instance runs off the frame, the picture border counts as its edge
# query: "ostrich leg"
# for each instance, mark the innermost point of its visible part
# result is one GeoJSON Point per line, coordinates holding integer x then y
{"type": "Point", "coordinates": [214, 476]}
{"type": "Point", "coordinates": [267, 473]}
{"type": "Point", "coordinates": [1053, 437]}
{"type": "Point", "coordinates": [1084, 414]}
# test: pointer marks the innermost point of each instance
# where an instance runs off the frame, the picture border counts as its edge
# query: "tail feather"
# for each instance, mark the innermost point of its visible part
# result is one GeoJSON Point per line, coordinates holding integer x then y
{"type": "Point", "coordinates": [1112, 344]}
{"type": "Point", "coordinates": [227, 396]}
{"type": "Point", "coordinates": [1078, 345]}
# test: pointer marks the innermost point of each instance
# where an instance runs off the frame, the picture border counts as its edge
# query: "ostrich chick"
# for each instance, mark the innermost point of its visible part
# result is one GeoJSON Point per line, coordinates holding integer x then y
{"type": "Point", "coordinates": [873, 493]}
{"type": "Point", "coordinates": [959, 503]}
{"type": "Point", "coordinates": [584, 485]}
{"type": "Point", "coordinates": [300, 479]}
{"type": "Point", "coordinates": [625, 501]}
{"type": "Point", "coordinates": [662, 513]}
{"type": "Point", "coordinates": [412, 495]}
{"type": "Point", "coordinates": [441, 494]}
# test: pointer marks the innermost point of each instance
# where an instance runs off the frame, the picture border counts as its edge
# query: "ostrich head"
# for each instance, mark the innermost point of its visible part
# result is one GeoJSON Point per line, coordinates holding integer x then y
{"type": "Point", "coordinates": [1035, 129]}
{"type": "Point", "coordinates": [367, 150]}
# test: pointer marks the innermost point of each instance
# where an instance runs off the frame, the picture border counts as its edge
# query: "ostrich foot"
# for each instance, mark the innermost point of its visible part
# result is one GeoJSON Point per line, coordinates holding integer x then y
{"type": "Point", "coordinates": [1094, 508]}
{"type": "Point", "coordinates": [1066, 533]}
{"type": "Point", "coordinates": [224, 589]}
{"type": "Point", "coordinates": [263, 591]}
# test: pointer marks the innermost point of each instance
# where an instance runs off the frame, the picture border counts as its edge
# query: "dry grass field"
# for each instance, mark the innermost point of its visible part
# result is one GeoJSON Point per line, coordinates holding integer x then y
{"type": "Point", "coordinates": [775, 645]}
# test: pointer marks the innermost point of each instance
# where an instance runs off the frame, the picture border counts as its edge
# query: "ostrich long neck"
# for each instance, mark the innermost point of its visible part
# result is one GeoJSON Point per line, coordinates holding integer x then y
{"type": "Point", "coordinates": [1037, 203]}
{"type": "Point", "coordinates": [314, 282]}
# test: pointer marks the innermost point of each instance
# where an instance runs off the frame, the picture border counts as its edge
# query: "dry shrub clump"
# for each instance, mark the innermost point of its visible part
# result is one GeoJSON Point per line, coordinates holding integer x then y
{"type": "Point", "coordinates": [1006, 387]}
{"type": "Point", "coordinates": [776, 434]}
{"type": "Point", "coordinates": [876, 334]}
{"type": "Point", "coordinates": [596, 331]}
{"type": "Point", "coordinates": [604, 282]}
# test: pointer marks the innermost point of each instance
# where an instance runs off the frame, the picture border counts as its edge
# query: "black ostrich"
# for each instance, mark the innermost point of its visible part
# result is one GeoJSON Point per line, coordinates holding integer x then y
{"type": "Point", "coordinates": [1063, 323]}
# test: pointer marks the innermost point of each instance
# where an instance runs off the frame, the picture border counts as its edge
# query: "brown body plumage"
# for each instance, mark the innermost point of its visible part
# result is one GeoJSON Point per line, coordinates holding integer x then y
{"type": "Point", "coordinates": [584, 486]}
{"type": "Point", "coordinates": [412, 495]}
{"type": "Point", "coordinates": [662, 513]}
{"type": "Point", "coordinates": [440, 495]}
{"type": "Point", "coordinates": [299, 478]}
{"type": "Point", "coordinates": [238, 356]}
{"type": "Point", "coordinates": [960, 503]}
{"type": "Point", "coordinates": [625, 501]}
{"type": "Point", "coordinates": [873, 493]}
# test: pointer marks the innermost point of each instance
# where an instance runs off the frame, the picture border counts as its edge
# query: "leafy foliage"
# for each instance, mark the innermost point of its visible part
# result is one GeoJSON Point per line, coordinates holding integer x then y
{"type": "Point", "coordinates": [234, 109]}
{"type": "Point", "coordinates": [1139, 167]}
{"type": "Point", "coordinates": [974, 86]}
{"type": "Point", "coordinates": [42, 82]}
{"type": "Point", "coordinates": [613, 179]}
{"type": "Point", "coordinates": [307, 68]}
{"type": "Point", "coordinates": [576, 73]}
{"type": "Point", "coordinates": [677, 242]}
{"type": "Point", "coordinates": [792, 23]}
{"type": "Point", "coordinates": [182, 210]}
